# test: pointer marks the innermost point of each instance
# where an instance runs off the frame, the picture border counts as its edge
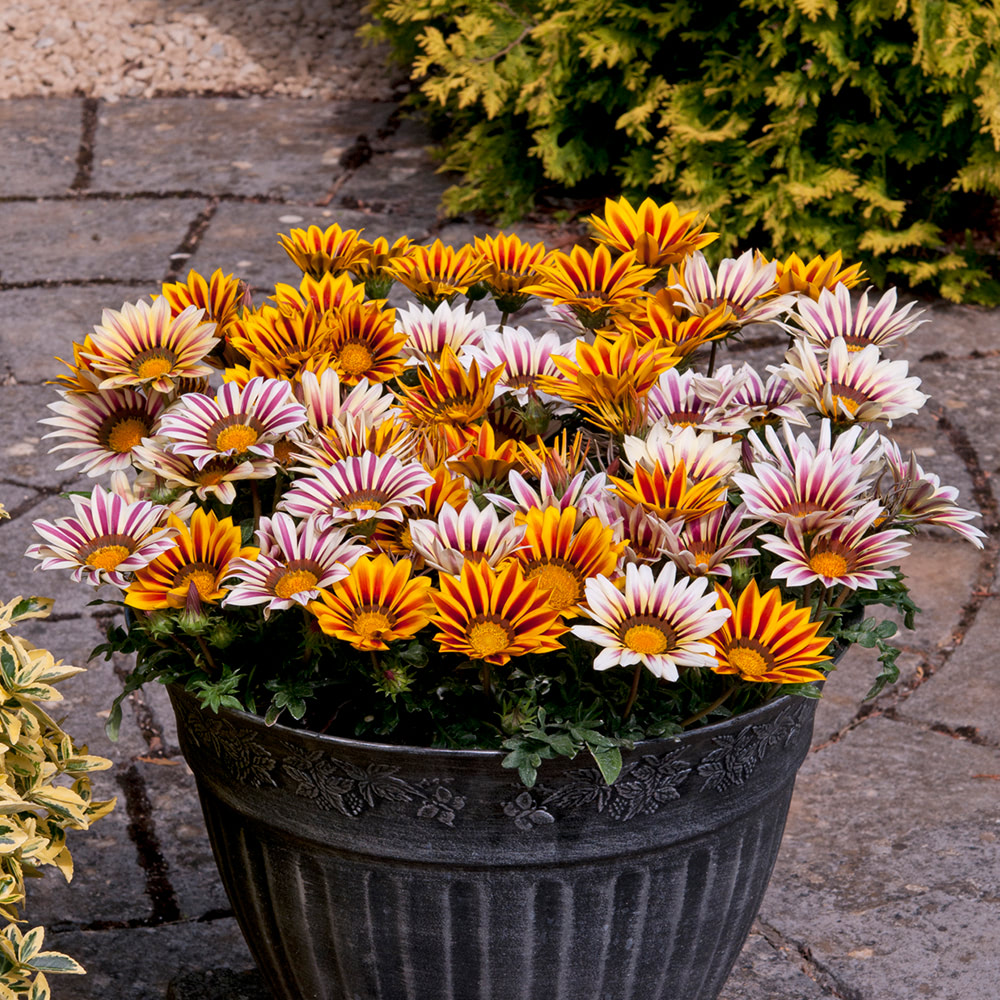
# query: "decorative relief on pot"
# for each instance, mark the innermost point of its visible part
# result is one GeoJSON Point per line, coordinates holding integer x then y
{"type": "Point", "coordinates": [642, 787]}
{"type": "Point", "coordinates": [737, 754]}
{"type": "Point", "coordinates": [441, 802]}
{"type": "Point", "coordinates": [237, 750]}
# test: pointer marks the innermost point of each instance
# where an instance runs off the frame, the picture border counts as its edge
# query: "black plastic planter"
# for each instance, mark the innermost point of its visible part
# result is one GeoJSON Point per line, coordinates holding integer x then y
{"type": "Point", "coordinates": [362, 871]}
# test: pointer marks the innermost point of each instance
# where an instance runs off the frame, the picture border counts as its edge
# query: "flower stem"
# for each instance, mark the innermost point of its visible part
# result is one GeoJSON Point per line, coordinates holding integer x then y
{"type": "Point", "coordinates": [255, 499]}
{"type": "Point", "coordinates": [711, 358]}
{"type": "Point", "coordinates": [504, 316]}
{"type": "Point", "coordinates": [633, 692]}
{"type": "Point", "coordinates": [484, 676]}
{"type": "Point", "coordinates": [708, 708]}
{"type": "Point", "coordinates": [209, 659]}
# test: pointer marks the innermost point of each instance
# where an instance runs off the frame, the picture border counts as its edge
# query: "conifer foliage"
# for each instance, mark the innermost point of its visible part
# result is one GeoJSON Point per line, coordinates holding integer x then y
{"type": "Point", "coordinates": [869, 126]}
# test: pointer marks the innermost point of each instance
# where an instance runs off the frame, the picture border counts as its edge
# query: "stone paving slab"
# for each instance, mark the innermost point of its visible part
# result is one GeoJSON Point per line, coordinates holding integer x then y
{"type": "Point", "coordinates": [40, 139]}
{"type": "Point", "coordinates": [92, 239]}
{"type": "Point", "coordinates": [266, 146]}
{"type": "Point", "coordinates": [41, 324]}
{"type": "Point", "coordinates": [889, 873]}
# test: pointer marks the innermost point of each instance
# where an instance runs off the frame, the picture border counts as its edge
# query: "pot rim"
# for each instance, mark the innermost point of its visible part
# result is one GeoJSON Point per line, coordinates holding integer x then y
{"type": "Point", "coordinates": [471, 753]}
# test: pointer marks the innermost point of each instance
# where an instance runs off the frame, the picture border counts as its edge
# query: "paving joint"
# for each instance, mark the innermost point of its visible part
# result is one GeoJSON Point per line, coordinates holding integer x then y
{"type": "Point", "coordinates": [85, 154]}
{"type": "Point", "coordinates": [192, 238]}
{"type": "Point", "coordinates": [821, 976]}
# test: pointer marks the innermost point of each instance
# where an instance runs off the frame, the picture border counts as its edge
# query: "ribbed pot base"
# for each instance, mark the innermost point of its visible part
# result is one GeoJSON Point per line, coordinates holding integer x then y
{"type": "Point", "coordinates": [367, 872]}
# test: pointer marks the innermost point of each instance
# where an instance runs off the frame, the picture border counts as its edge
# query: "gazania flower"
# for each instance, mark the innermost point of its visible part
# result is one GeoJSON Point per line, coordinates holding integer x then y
{"type": "Point", "coordinates": [765, 641]}
{"type": "Point", "coordinates": [609, 380]}
{"type": "Point", "coordinates": [466, 535]}
{"type": "Point", "coordinates": [835, 315]}
{"type": "Point", "coordinates": [280, 344]}
{"type": "Point", "coordinates": [494, 615]}
{"type": "Point", "coordinates": [372, 267]}
{"type": "Point", "coordinates": [819, 275]}
{"type": "Point", "coordinates": [103, 428]}
{"type": "Point", "coordinates": [220, 297]}
{"type": "Point", "coordinates": [759, 402]}
{"type": "Point", "coordinates": [852, 386]}
{"type": "Point", "coordinates": [645, 536]}
{"type": "Point", "coordinates": [705, 545]}
{"type": "Point", "coordinates": [703, 455]}
{"type": "Point", "coordinates": [742, 284]}
{"type": "Point", "coordinates": [146, 486]}
{"type": "Point", "coordinates": [376, 604]}
{"type": "Point", "coordinates": [82, 376]}
{"type": "Point", "coordinates": [106, 539]}
{"type": "Point", "coordinates": [658, 319]}
{"type": "Point", "coordinates": [917, 497]}
{"type": "Point", "coordinates": [438, 272]}
{"type": "Point", "coordinates": [523, 355]}
{"type": "Point", "coordinates": [670, 495]}
{"type": "Point", "coordinates": [562, 556]}
{"type": "Point", "coordinates": [394, 536]}
{"type": "Point", "coordinates": [236, 423]}
{"type": "Point", "coordinates": [448, 393]}
{"type": "Point", "coordinates": [591, 285]}
{"type": "Point", "coordinates": [660, 622]}
{"type": "Point", "coordinates": [584, 492]}
{"type": "Point", "coordinates": [364, 343]}
{"type": "Point", "coordinates": [146, 347]}
{"type": "Point", "coordinates": [319, 296]}
{"type": "Point", "coordinates": [476, 454]}
{"type": "Point", "coordinates": [659, 235]}
{"type": "Point", "coordinates": [355, 437]}
{"type": "Point", "coordinates": [429, 331]}
{"type": "Point", "coordinates": [194, 568]}
{"type": "Point", "coordinates": [328, 404]}
{"type": "Point", "coordinates": [317, 251]}
{"type": "Point", "coordinates": [358, 488]}
{"type": "Point", "coordinates": [216, 478]}
{"type": "Point", "coordinates": [294, 564]}
{"type": "Point", "coordinates": [510, 266]}
{"type": "Point", "coordinates": [842, 553]}
{"type": "Point", "coordinates": [562, 459]}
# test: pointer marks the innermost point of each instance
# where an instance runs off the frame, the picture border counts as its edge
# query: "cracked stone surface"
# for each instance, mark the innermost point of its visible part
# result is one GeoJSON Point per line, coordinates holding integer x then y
{"type": "Point", "coordinates": [888, 884]}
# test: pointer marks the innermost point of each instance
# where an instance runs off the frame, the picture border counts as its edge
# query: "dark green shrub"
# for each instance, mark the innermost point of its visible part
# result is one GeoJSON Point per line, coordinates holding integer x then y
{"type": "Point", "coordinates": [871, 126]}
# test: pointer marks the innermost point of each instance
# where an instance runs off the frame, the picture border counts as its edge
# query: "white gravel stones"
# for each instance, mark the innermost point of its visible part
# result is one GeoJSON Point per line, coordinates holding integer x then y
{"type": "Point", "coordinates": [141, 48]}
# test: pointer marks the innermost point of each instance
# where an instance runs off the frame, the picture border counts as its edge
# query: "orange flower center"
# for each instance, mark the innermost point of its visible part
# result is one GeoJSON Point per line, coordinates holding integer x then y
{"type": "Point", "coordinates": [851, 398]}
{"type": "Point", "coordinates": [107, 557]}
{"type": "Point", "coordinates": [125, 433]}
{"type": "Point", "coordinates": [238, 437]}
{"type": "Point", "coordinates": [201, 575]}
{"type": "Point", "coordinates": [372, 622]}
{"type": "Point", "coordinates": [749, 662]}
{"type": "Point", "coordinates": [364, 500]}
{"type": "Point", "coordinates": [153, 364]}
{"type": "Point", "coordinates": [355, 358]}
{"type": "Point", "coordinates": [294, 581]}
{"type": "Point", "coordinates": [646, 639]}
{"type": "Point", "coordinates": [830, 564]}
{"type": "Point", "coordinates": [488, 635]}
{"type": "Point", "coordinates": [561, 579]}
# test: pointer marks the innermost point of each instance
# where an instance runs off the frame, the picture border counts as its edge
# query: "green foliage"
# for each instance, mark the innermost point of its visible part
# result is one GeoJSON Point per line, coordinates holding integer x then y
{"type": "Point", "coordinates": [36, 811]}
{"type": "Point", "coordinates": [869, 126]}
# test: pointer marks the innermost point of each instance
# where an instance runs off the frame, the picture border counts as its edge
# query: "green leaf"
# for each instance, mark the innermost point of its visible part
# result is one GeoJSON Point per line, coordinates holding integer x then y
{"type": "Point", "coordinates": [608, 759]}
{"type": "Point", "coordinates": [55, 961]}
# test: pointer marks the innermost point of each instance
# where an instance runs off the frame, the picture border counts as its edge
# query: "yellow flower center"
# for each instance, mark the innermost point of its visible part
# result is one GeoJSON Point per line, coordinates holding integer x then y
{"type": "Point", "coordinates": [124, 435]}
{"type": "Point", "coordinates": [488, 637]}
{"type": "Point", "coordinates": [851, 398]}
{"type": "Point", "coordinates": [107, 557]}
{"type": "Point", "coordinates": [748, 662]}
{"type": "Point", "coordinates": [647, 639]}
{"type": "Point", "coordinates": [830, 564]}
{"type": "Point", "coordinates": [363, 500]}
{"type": "Point", "coordinates": [371, 624]}
{"type": "Point", "coordinates": [355, 358]}
{"type": "Point", "coordinates": [294, 581]}
{"type": "Point", "coordinates": [283, 451]}
{"type": "Point", "coordinates": [238, 437]}
{"type": "Point", "coordinates": [202, 576]}
{"type": "Point", "coordinates": [210, 475]}
{"type": "Point", "coordinates": [561, 579]}
{"type": "Point", "coordinates": [154, 366]}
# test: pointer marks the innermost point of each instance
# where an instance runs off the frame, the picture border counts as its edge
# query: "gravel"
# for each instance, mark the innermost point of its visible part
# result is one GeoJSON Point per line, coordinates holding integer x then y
{"type": "Point", "coordinates": [144, 48]}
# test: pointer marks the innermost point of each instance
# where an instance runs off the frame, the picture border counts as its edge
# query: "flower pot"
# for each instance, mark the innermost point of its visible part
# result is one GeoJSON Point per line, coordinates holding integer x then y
{"type": "Point", "coordinates": [362, 871]}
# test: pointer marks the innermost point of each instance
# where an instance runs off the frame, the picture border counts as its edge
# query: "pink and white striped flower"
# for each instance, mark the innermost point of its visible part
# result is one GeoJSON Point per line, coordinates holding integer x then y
{"type": "Point", "coordinates": [659, 621]}
{"type": "Point", "coordinates": [103, 428]}
{"type": "Point", "coordinates": [146, 486]}
{"type": "Point", "coordinates": [705, 546]}
{"type": "Point", "coordinates": [742, 283]}
{"type": "Point", "coordinates": [327, 404]}
{"type": "Point", "coordinates": [850, 387]}
{"type": "Point", "coordinates": [237, 423]}
{"type": "Point", "coordinates": [854, 446]}
{"type": "Point", "coordinates": [760, 402]}
{"type": "Point", "coordinates": [216, 478]}
{"type": "Point", "coordinates": [585, 491]}
{"type": "Point", "coordinates": [524, 356]}
{"type": "Point", "coordinates": [703, 455]}
{"type": "Point", "coordinates": [144, 346]}
{"type": "Point", "coordinates": [106, 539]}
{"type": "Point", "coordinates": [358, 488]}
{"type": "Point", "coordinates": [834, 315]}
{"type": "Point", "coordinates": [646, 535]}
{"type": "Point", "coordinates": [467, 535]}
{"type": "Point", "coordinates": [429, 331]}
{"type": "Point", "coordinates": [692, 400]}
{"type": "Point", "coordinates": [917, 497]}
{"type": "Point", "coordinates": [839, 554]}
{"type": "Point", "coordinates": [295, 562]}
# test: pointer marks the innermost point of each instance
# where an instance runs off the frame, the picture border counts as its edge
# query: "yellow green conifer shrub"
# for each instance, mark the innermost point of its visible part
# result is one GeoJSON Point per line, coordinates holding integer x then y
{"type": "Point", "coordinates": [44, 792]}
{"type": "Point", "coordinates": [869, 126]}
